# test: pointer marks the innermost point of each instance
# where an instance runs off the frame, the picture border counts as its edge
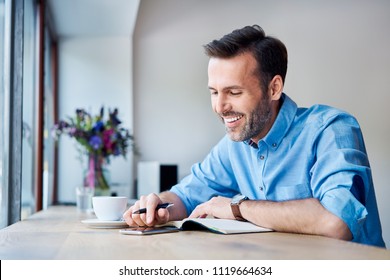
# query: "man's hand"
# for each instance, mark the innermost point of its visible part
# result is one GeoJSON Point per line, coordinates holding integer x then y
{"type": "Point", "coordinates": [151, 217]}
{"type": "Point", "coordinates": [218, 207]}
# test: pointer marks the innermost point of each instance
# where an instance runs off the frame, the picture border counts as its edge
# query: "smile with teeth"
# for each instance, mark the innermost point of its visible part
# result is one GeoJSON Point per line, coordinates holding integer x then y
{"type": "Point", "coordinates": [230, 120]}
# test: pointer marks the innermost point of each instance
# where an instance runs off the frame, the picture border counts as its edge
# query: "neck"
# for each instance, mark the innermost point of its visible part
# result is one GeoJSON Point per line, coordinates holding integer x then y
{"type": "Point", "coordinates": [275, 108]}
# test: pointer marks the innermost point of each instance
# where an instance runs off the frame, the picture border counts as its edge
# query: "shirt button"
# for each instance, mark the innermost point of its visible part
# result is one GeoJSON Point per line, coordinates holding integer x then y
{"type": "Point", "coordinates": [262, 157]}
{"type": "Point", "coordinates": [274, 145]}
{"type": "Point", "coordinates": [261, 188]}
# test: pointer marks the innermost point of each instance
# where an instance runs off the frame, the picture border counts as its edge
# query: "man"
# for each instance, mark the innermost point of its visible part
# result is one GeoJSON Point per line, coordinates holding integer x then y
{"type": "Point", "coordinates": [282, 167]}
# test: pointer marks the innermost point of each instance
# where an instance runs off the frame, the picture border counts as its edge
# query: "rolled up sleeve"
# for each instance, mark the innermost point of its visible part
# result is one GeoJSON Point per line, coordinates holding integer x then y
{"type": "Point", "coordinates": [341, 176]}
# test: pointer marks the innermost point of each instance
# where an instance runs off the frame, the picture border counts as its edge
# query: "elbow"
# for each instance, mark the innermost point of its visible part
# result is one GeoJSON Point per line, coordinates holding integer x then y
{"type": "Point", "coordinates": [336, 228]}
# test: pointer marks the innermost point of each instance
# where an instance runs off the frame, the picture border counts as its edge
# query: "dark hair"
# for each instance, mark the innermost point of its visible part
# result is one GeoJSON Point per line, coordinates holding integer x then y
{"type": "Point", "coordinates": [269, 52]}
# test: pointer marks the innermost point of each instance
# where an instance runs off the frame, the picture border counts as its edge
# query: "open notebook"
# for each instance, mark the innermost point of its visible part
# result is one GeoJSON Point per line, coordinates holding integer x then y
{"type": "Point", "coordinates": [224, 226]}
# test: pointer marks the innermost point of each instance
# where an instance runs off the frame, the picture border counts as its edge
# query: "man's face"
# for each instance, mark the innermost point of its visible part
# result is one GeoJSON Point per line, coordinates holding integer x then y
{"type": "Point", "coordinates": [237, 98]}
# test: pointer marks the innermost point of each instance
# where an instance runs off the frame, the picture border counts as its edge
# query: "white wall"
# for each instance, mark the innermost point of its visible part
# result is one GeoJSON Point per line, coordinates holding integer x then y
{"type": "Point", "coordinates": [338, 55]}
{"type": "Point", "coordinates": [93, 72]}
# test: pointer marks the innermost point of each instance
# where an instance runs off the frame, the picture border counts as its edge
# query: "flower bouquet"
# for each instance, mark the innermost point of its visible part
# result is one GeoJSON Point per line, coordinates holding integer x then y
{"type": "Point", "coordinates": [99, 140]}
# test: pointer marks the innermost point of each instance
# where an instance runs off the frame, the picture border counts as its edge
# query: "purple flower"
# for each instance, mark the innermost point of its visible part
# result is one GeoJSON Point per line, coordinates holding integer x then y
{"type": "Point", "coordinates": [99, 126]}
{"type": "Point", "coordinates": [72, 132]}
{"type": "Point", "coordinates": [95, 142]}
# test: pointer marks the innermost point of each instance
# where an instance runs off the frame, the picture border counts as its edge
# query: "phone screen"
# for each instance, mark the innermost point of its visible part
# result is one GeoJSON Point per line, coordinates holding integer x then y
{"type": "Point", "coordinates": [148, 230]}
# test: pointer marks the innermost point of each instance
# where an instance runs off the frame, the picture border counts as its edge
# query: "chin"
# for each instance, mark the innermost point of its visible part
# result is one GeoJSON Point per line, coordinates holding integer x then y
{"type": "Point", "coordinates": [235, 138]}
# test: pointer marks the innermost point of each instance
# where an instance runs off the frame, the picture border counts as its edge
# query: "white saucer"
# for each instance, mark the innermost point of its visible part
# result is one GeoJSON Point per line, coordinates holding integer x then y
{"type": "Point", "coordinates": [96, 223]}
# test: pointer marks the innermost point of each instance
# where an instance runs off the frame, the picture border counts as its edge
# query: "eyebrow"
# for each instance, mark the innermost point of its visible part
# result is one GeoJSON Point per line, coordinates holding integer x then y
{"type": "Point", "coordinates": [227, 88]}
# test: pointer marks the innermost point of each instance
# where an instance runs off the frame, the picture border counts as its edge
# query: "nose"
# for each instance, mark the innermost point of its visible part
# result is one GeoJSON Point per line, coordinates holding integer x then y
{"type": "Point", "coordinates": [221, 104]}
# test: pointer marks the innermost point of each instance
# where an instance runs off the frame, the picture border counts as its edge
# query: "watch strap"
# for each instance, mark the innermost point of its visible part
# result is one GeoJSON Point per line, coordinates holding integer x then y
{"type": "Point", "coordinates": [236, 208]}
{"type": "Point", "coordinates": [236, 212]}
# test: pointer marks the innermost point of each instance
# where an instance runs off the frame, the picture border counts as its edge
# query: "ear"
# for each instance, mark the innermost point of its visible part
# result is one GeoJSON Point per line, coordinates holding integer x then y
{"type": "Point", "coordinates": [276, 87]}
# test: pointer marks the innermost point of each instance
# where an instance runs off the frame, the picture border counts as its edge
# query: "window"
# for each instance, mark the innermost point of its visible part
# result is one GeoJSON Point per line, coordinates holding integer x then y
{"type": "Point", "coordinates": [27, 109]}
{"type": "Point", "coordinates": [2, 113]}
{"type": "Point", "coordinates": [49, 111]}
{"type": "Point", "coordinates": [11, 110]}
{"type": "Point", "coordinates": [29, 104]}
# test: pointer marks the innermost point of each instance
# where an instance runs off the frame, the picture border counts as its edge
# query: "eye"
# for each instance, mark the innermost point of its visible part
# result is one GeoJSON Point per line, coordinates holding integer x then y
{"type": "Point", "coordinates": [213, 92]}
{"type": "Point", "coordinates": [235, 93]}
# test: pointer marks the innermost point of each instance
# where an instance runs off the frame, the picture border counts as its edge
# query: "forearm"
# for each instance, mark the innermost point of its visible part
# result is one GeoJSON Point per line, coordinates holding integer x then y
{"type": "Point", "coordinates": [306, 216]}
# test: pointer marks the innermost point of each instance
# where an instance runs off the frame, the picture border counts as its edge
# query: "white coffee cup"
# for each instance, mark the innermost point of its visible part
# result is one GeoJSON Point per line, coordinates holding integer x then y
{"type": "Point", "coordinates": [109, 208]}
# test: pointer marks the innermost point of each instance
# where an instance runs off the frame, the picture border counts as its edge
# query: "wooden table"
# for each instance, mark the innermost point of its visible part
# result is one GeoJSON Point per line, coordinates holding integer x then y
{"type": "Point", "coordinates": [57, 233]}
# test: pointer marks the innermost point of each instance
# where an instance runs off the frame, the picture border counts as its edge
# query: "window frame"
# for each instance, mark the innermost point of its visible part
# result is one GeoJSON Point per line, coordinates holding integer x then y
{"type": "Point", "coordinates": [12, 108]}
{"type": "Point", "coordinates": [13, 98]}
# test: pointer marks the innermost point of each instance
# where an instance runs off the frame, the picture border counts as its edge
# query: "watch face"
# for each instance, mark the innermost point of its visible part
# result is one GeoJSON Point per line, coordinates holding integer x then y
{"type": "Point", "coordinates": [237, 198]}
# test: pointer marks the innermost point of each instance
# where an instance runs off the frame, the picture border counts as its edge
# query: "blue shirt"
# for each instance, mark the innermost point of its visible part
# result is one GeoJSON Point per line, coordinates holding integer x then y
{"type": "Point", "coordinates": [309, 152]}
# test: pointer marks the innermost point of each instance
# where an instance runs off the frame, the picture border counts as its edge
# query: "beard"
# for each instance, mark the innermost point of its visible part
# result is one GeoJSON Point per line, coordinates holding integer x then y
{"type": "Point", "coordinates": [255, 123]}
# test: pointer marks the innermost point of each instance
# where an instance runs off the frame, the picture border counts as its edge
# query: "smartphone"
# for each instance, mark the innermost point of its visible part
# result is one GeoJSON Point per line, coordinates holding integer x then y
{"type": "Point", "coordinates": [147, 230]}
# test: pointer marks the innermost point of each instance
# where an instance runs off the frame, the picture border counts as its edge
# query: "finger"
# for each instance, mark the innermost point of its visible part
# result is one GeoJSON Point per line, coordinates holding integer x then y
{"type": "Point", "coordinates": [127, 213]}
{"type": "Point", "coordinates": [151, 213]}
{"type": "Point", "coordinates": [151, 216]}
{"type": "Point", "coordinates": [139, 219]}
{"type": "Point", "coordinates": [162, 216]}
{"type": "Point", "coordinates": [127, 217]}
{"type": "Point", "coordinates": [199, 211]}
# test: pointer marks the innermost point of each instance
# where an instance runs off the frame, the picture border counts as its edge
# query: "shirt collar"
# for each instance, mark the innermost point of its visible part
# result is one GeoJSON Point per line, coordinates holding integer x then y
{"type": "Point", "coordinates": [281, 125]}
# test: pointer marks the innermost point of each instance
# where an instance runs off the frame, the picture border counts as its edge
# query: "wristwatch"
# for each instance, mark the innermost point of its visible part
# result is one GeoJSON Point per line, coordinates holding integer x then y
{"type": "Point", "coordinates": [235, 205]}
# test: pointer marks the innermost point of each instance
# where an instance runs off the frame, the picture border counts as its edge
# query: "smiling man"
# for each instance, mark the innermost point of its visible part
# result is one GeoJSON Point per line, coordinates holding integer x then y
{"type": "Point", "coordinates": [291, 169]}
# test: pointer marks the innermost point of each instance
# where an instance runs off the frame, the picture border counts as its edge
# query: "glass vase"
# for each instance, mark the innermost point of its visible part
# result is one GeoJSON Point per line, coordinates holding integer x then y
{"type": "Point", "coordinates": [95, 177]}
